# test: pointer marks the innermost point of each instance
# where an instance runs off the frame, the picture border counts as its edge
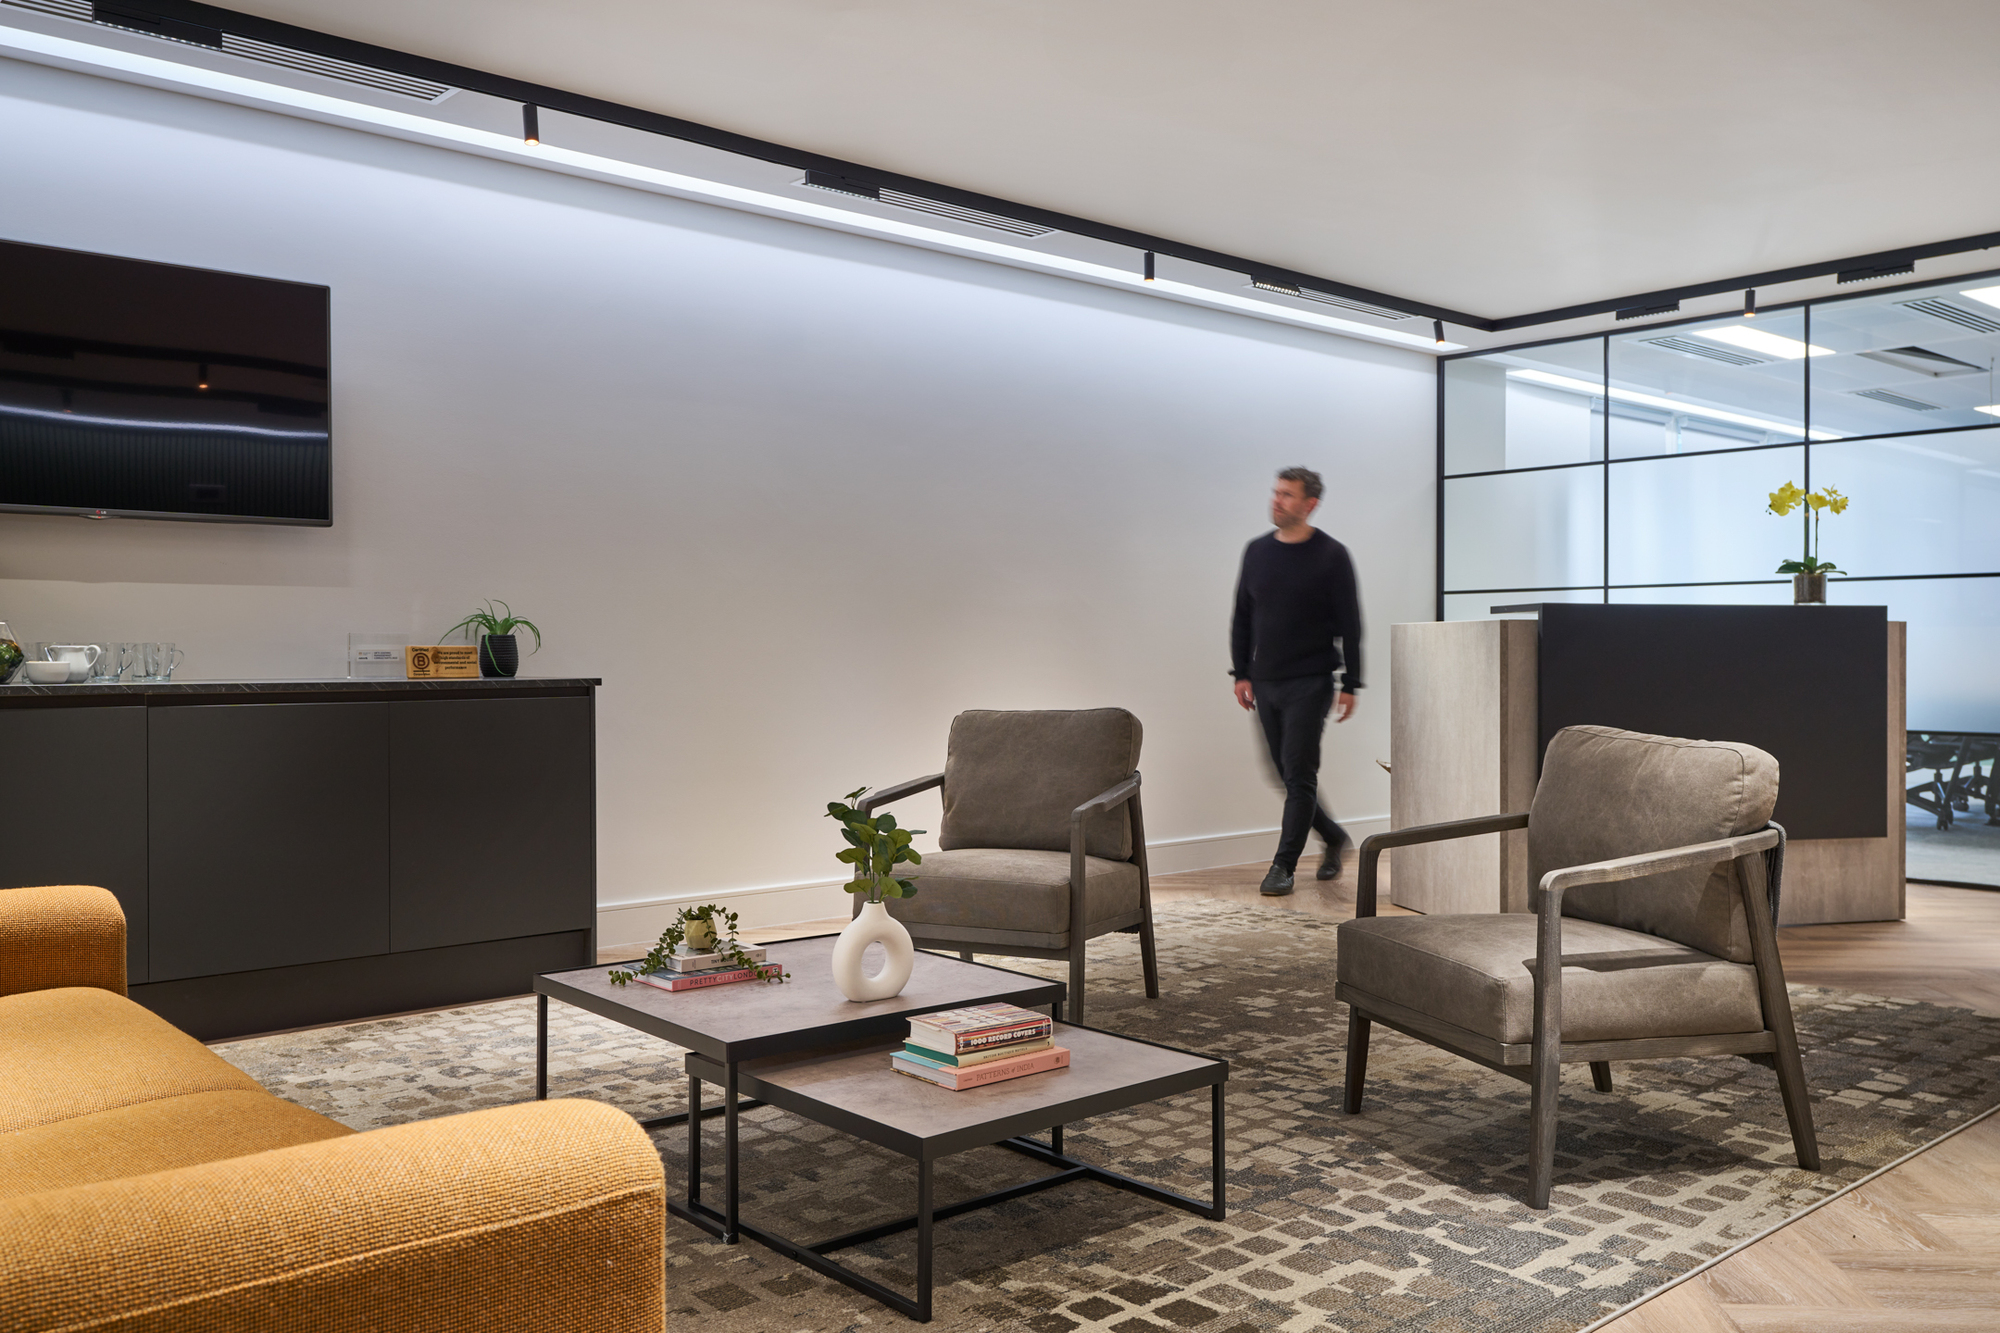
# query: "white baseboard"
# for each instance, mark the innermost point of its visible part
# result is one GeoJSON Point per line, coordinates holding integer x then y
{"type": "Point", "coordinates": [780, 904]}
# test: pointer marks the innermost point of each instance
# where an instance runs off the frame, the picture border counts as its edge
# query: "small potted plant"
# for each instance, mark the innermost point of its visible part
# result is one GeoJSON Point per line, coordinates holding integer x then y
{"type": "Point", "coordinates": [499, 654]}
{"type": "Point", "coordinates": [704, 929]}
{"type": "Point", "coordinates": [1808, 571]}
{"type": "Point", "coordinates": [875, 847]}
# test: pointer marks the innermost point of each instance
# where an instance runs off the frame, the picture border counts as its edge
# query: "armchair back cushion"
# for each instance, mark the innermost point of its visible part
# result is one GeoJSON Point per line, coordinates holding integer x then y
{"type": "Point", "coordinates": [1011, 779]}
{"type": "Point", "coordinates": [1606, 793]}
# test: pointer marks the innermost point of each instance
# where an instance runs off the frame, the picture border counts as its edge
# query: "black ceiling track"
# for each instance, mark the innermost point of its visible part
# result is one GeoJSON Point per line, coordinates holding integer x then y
{"type": "Point", "coordinates": [191, 21]}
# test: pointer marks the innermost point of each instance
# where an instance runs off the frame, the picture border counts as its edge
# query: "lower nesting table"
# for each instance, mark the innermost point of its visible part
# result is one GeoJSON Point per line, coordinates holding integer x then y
{"type": "Point", "coordinates": [730, 1024]}
{"type": "Point", "coordinates": [855, 1090]}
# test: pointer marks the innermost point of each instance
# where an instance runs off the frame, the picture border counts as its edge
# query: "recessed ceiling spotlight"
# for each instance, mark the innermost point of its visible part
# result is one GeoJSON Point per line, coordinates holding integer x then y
{"type": "Point", "coordinates": [1762, 340]}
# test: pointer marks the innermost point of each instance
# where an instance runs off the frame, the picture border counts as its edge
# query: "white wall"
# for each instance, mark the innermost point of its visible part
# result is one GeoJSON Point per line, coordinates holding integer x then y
{"type": "Point", "coordinates": [797, 496]}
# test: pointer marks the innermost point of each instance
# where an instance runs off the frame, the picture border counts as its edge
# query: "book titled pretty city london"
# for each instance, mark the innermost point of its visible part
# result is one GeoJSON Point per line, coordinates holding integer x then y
{"type": "Point", "coordinates": [958, 1079]}
{"type": "Point", "coordinates": [979, 1027]}
{"type": "Point", "coordinates": [721, 976]}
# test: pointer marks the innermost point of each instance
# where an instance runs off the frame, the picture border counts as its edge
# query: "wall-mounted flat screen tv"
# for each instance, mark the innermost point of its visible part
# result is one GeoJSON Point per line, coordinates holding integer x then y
{"type": "Point", "coordinates": [130, 389]}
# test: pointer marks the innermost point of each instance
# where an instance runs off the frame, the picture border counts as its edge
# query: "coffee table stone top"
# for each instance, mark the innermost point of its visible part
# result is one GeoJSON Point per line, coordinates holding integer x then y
{"type": "Point", "coordinates": [750, 1019]}
{"type": "Point", "coordinates": [856, 1090]}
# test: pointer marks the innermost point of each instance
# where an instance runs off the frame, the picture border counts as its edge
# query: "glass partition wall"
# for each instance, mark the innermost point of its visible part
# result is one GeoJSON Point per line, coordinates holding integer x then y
{"type": "Point", "coordinates": [1636, 466]}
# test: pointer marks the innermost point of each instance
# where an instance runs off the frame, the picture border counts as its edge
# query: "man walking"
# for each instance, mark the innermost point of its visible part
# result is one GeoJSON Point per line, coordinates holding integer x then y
{"type": "Point", "coordinates": [1297, 622]}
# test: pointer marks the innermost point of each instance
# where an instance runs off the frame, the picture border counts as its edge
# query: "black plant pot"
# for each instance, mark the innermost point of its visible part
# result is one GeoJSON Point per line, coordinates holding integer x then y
{"type": "Point", "coordinates": [499, 655]}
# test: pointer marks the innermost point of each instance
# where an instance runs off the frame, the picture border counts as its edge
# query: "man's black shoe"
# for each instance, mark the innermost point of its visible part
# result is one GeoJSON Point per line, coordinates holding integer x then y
{"type": "Point", "coordinates": [1329, 865]}
{"type": "Point", "coordinates": [1277, 881]}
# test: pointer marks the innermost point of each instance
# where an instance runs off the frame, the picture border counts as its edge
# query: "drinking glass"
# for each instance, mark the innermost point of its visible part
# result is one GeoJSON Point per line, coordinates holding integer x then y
{"type": "Point", "coordinates": [158, 661]}
{"type": "Point", "coordinates": [112, 660]}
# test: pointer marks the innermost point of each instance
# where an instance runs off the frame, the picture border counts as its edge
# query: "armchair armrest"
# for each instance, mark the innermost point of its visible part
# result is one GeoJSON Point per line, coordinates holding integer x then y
{"type": "Point", "coordinates": [1373, 846]}
{"type": "Point", "coordinates": [899, 791]}
{"type": "Point", "coordinates": [539, 1215]}
{"type": "Point", "coordinates": [61, 935]}
{"type": "Point", "coordinates": [1111, 796]}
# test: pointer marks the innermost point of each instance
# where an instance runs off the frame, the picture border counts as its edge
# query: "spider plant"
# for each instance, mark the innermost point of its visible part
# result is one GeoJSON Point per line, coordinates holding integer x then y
{"type": "Point", "coordinates": [491, 622]}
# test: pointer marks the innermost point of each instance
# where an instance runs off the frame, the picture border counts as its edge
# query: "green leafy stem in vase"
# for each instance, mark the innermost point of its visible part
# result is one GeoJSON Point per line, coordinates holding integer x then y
{"type": "Point", "coordinates": [875, 847]}
{"type": "Point", "coordinates": [1789, 497]}
{"type": "Point", "coordinates": [719, 926]}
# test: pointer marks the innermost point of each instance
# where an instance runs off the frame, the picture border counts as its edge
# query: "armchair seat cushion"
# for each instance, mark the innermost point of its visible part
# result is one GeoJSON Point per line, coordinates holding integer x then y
{"type": "Point", "coordinates": [1473, 971]}
{"type": "Point", "coordinates": [995, 895]}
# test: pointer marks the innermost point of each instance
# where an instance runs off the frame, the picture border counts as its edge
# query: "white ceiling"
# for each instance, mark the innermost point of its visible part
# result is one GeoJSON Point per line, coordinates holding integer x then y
{"type": "Point", "coordinates": [1493, 156]}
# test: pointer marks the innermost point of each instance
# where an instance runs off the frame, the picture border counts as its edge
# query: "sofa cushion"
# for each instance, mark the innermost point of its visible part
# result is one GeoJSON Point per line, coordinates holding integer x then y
{"type": "Point", "coordinates": [1012, 779]}
{"type": "Point", "coordinates": [1606, 793]}
{"type": "Point", "coordinates": [79, 1050]}
{"type": "Point", "coordinates": [160, 1135]}
{"type": "Point", "coordinates": [1001, 893]}
{"type": "Point", "coordinates": [1473, 971]}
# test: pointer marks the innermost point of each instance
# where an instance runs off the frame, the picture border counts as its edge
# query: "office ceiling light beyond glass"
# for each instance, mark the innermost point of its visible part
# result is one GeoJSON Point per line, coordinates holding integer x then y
{"type": "Point", "coordinates": [1573, 385]}
{"type": "Point", "coordinates": [1762, 341]}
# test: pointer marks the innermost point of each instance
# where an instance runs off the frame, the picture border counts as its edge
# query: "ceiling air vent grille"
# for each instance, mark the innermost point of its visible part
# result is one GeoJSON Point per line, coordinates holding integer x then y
{"type": "Point", "coordinates": [381, 80]}
{"type": "Point", "coordinates": [1327, 298]}
{"type": "Point", "coordinates": [862, 189]}
{"type": "Point", "coordinates": [62, 9]}
{"type": "Point", "coordinates": [1895, 399]}
{"type": "Point", "coordinates": [957, 214]}
{"type": "Point", "coordinates": [1689, 347]}
{"type": "Point", "coordinates": [1950, 313]}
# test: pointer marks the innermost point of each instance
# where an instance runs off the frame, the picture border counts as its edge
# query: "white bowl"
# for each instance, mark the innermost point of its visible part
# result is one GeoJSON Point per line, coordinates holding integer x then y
{"type": "Point", "coordinates": [45, 673]}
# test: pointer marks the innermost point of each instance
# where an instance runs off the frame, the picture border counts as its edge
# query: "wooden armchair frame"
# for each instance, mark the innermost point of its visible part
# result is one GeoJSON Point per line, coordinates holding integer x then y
{"type": "Point", "coordinates": [1125, 792]}
{"type": "Point", "coordinates": [1539, 1063]}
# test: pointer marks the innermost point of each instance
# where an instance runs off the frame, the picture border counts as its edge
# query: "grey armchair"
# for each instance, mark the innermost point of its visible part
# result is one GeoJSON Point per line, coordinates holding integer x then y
{"type": "Point", "coordinates": [1043, 845]}
{"type": "Point", "coordinates": [1659, 872]}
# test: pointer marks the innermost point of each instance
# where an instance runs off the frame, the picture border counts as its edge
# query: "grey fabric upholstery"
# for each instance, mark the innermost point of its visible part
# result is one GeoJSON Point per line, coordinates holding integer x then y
{"type": "Point", "coordinates": [1606, 793]}
{"type": "Point", "coordinates": [1474, 972]}
{"type": "Point", "coordinates": [1011, 780]}
{"type": "Point", "coordinates": [1013, 896]}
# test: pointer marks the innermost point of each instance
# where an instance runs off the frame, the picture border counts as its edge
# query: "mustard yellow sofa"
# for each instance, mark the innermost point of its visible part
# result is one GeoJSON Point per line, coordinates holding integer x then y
{"type": "Point", "coordinates": [147, 1184]}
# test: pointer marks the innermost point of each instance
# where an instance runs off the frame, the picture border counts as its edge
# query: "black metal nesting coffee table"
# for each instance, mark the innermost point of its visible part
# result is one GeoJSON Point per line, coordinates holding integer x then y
{"type": "Point", "coordinates": [731, 1024]}
{"type": "Point", "coordinates": [855, 1090]}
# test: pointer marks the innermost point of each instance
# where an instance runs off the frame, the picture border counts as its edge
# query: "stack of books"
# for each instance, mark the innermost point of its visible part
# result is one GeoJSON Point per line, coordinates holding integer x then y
{"type": "Point", "coordinates": [692, 971]}
{"type": "Point", "coordinates": [971, 1048]}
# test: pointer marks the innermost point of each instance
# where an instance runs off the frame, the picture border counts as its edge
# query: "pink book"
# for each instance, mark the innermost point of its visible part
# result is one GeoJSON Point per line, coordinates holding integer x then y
{"type": "Point", "coordinates": [669, 981]}
{"type": "Point", "coordinates": [978, 1076]}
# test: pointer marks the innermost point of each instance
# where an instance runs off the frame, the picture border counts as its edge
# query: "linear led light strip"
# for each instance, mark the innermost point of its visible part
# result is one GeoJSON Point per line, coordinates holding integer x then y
{"type": "Point", "coordinates": [1666, 404]}
{"type": "Point", "coordinates": [545, 154]}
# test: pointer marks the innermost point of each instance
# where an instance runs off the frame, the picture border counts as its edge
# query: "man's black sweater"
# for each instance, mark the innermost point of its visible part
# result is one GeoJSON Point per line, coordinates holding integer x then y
{"type": "Point", "coordinates": [1293, 600]}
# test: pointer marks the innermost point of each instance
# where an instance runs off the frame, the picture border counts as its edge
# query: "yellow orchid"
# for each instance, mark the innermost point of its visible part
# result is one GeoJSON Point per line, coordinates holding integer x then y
{"type": "Point", "coordinates": [1785, 499]}
{"type": "Point", "coordinates": [1789, 497]}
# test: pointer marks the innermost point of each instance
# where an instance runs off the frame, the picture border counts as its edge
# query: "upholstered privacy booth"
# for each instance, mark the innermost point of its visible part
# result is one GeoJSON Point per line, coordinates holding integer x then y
{"type": "Point", "coordinates": [1043, 845]}
{"type": "Point", "coordinates": [1652, 936]}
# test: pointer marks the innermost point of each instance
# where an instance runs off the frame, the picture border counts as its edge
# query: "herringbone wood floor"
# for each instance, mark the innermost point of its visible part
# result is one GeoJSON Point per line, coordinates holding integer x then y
{"type": "Point", "coordinates": [1915, 1251]}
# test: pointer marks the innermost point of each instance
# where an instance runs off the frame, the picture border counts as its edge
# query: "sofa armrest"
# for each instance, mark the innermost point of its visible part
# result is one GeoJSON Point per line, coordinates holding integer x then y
{"type": "Point", "coordinates": [536, 1216]}
{"type": "Point", "coordinates": [61, 935]}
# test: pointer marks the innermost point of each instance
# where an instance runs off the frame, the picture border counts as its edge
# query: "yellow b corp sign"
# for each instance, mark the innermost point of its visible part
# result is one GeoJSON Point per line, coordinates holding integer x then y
{"type": "Point", "coordinates": [440, 661]}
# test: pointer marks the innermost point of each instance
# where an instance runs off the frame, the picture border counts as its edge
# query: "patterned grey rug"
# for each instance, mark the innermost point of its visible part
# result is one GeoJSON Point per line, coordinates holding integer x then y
{"type": "Point", "coordinates": [1403, 1218]}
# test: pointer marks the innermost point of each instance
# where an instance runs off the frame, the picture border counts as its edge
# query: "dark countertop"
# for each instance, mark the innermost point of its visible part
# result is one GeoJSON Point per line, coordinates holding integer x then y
{"type": "Point", "coordinates": [332, 685]}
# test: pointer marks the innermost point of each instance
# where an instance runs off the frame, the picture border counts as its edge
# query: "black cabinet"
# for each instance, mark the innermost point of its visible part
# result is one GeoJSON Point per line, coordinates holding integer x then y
{"type": "Point", "coordinates": [290, 854]}
{"type": "Point", "coordinates": [490, 825]}
{"type": "Point", "coordinates": [269, 835]}
{"type": "Point", "coordinates": [73, 810]}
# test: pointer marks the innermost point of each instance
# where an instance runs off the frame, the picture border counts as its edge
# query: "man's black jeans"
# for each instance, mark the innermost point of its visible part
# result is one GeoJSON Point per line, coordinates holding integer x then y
{"type": "Point", "coordinates": [1294, 715]}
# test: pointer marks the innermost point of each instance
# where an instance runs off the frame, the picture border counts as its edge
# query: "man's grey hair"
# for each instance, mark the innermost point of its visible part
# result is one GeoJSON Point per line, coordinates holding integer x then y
{"type": "Point", "coordinates": [1307, 479]}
